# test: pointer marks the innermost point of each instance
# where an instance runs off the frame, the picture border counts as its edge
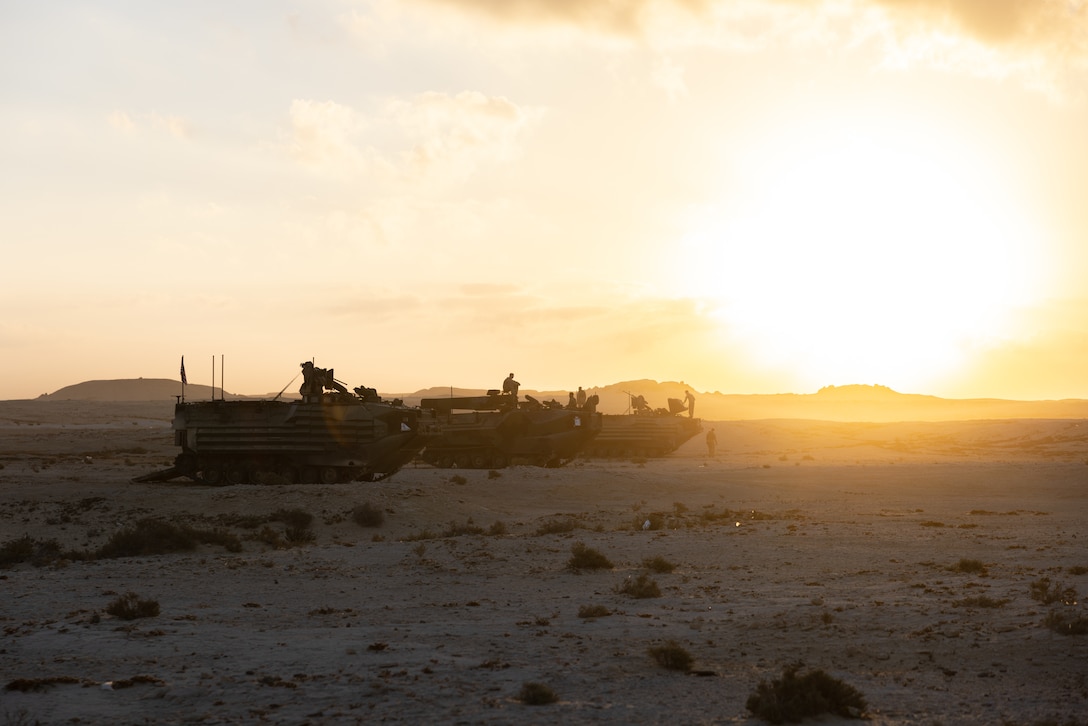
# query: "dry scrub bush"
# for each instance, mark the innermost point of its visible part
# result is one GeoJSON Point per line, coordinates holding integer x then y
{"type": "Point", "coordinates": [593, 611]}
{"type": "Point", "coordinates": [584, 557]}
{"type": "Point", "coordinates": [971, 567]}
{"type": "Point", "coordinates": [555, 526]}
{"type": "Point", "coordinates": [672, 656]}
{"type": "Point", "coordinates": [658, 564]}
{"type": "Point", "coordinates": [458, 479]}
{"type": "Point", "coordinates": [641, 588]}
{"type": "Point", "coordinates": [1066, 623]}
{"type": "Point", "coordinates": [131, 606]}
{"type": "Point", "coordinates": [981, 601]}
{"type": "Point", "coordinates": [367, 515]}
{"type": "Point", "coordinates": [796, 697]}
{"type": "Point", "coordinates": [36, 552]}
{"type": "Point", "coordinates": [536, 694]}
{"type": "Point", "coordinates": [1043, 591]}
{"type": "Point", "coordinates": [158, 537]}
{"type": "Point", "coordinates": [456, 530]}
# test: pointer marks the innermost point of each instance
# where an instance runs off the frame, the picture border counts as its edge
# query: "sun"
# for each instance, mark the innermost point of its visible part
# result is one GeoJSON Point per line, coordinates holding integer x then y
{"type": "Point", "coordinates": [864, 257]}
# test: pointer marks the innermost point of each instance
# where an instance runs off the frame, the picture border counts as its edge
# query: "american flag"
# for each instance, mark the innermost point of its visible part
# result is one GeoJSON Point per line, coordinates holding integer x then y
{"type": "Point", "coordinates": [183, 379]}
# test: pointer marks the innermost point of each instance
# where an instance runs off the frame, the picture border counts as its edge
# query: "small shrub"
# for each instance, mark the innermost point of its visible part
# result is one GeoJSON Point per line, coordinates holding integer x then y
{"type": "Point", "coordinates": [980, 602]}
{"type": "Point", "coordinates": [593, 611]}
{"type": "Point", "coordinates": [149, 537]}
{"type": "Point", "coordinates": [658, 564]}
{"type": "Point", "coordinates": [1078, 570]}
{"type": "Point", "coordinates": [794, 698]}
{"type": "Point", "coordinates": [36, 552]}
{"type": "Point", "coordinates": [367, 515]}
{"type": "Point", "coordinates": [458, 479]}
{"type": "Point", "coordinates": [556, 526]}
{"type": "Point", "coordinates": [295, 535]}
{"type": "Point", "coordinates": [1042, 590]}
{"type": "Point", "coordinates": [672, 656]}
{"type": "Point", "coordinates": [640, 588]}
{"type": "Point", "coordinates": [456, 530]}
{"type": "Point", "coordinates": [497, 529]}
{"type": "Point", "coordinates": [586, 558]}
{"type": "Point", "coordinates": [974, 567]}
{"type": "Point", "coordinates": [292, 518]}
{"type": "Point", "coordinates": [493, 474]}
{"type": "Point", "coordinates": [131, 606]}
{"type": "Point", "coordinates": [1065, 624]}
{"type": "Point", "coordinates": [536, 694]}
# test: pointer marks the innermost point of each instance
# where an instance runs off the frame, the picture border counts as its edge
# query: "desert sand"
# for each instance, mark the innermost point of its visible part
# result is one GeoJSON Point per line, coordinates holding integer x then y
{"type": "Point", "coordinates": [850, 547]}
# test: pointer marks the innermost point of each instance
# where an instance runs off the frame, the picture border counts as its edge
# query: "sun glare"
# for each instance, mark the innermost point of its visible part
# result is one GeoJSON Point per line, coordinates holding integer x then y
{"type": "Point", "coordinates": [865, 259]}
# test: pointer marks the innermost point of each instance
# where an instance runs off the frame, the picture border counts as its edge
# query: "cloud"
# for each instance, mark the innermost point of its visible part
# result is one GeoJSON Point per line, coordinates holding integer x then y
{"type": "Point", "coordinates": [174, 126]}
{"type": "Point", "coordinates": [433, 137]}
{"type": "Point", "coordinates": [1040, 41]}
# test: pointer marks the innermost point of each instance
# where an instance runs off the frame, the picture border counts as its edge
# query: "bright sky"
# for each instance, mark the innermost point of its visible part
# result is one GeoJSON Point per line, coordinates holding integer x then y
{"type": "Point", "coordinates": [752, 196]}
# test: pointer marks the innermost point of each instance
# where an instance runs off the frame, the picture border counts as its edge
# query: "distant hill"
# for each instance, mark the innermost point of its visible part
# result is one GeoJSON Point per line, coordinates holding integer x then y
{"type": "Point", "coordinates": [833, 403]}
{"type": "Point", "coordinates": [132, 389]}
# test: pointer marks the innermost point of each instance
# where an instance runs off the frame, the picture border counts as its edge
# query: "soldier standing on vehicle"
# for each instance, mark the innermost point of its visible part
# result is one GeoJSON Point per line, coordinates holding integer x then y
{"type": "Point", "coordinates": [580, 397]}
{"type": "Point", "coordinates": [689, 401]}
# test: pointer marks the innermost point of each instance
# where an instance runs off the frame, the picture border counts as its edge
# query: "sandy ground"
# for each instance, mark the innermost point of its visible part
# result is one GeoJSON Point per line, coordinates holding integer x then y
{"type": "Point", "coordinates": [842, 546]}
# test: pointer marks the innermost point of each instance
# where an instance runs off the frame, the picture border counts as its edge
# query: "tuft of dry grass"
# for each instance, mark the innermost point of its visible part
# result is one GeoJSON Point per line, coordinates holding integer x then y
{"type": "Point", "coordinates": [131, 606]}
{"type": "Point", "coordinates": [536, 694]}
{"type": "Point", "coordinates": [672, 656]}
{"type": "Point", "coordinates": [584, 557]}
{"type": "Point", "coordinates": [795, 697]}
{"type": "Point", "coordinates": [1042, 590]}
{"type": "Point", "coordinates": [593, 611]}
{"type": "Point", "coordinates": [970, 567]}
{"type": "Point", "coordinates": [658, 564]}
{"type": "Point", "coordinates": [641, 588]}
{"type": "Point", "coordinates": [367, 515]}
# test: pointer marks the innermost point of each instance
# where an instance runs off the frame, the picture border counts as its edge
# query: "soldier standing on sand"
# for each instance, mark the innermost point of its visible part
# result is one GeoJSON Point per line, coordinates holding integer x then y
{"type": "Point", "coordinates": [581, 397]}
{"type": "Point", "coordinates": [689, 401]}
{"type": "Point", "coordinates": [711, 442]}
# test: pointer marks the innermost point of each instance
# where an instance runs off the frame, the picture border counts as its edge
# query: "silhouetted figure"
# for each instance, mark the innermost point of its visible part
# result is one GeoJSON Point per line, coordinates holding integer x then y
{"type": "Point", "coordinates": [689, 401]}
{"type": "Point", "coordinates": [638, 403]}
{"type": "Point", "coordinates": [572, 404]}
{"type": "Point", "coordinates": [711, 442]}
{"type": "Point", "coordinates": [591, 403]}
{"type": "Point", "coordinates": [316, 380]}
{"type": "Point", "coordinates": [511, 386]}
{"type": "Point", "coordinates": [581, 397]}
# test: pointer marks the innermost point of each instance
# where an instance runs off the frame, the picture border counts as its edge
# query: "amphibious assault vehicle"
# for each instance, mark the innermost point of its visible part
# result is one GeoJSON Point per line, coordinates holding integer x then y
{"type": "Point", "coordinates": [326, 437]}
{"type": "Point", "coordinates": [645, 432]}
{"type": "Point", "coordinates": [495, 431]}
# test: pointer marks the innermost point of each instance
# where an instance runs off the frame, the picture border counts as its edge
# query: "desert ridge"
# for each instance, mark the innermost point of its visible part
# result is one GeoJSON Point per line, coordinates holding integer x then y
{"type": "Point", "coordinates": [831, 403]}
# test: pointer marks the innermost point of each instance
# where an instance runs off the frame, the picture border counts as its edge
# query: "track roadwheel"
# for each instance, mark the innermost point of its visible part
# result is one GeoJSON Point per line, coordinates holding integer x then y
{"type": "Point", "coordinates": [498, 461]}
{"type": "Point", "coordinates": [479, 461]}
{"type": "Point", "coordinates": [445, 461]}
{"type": "Point", "coordinates": [213, 475]}
{"type": "Point", "coordinates": [329, 475]}
{"type": "Point", "coordinates": [236, 475]}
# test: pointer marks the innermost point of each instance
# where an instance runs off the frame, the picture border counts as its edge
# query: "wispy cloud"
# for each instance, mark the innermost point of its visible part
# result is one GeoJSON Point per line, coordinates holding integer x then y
{"type": "Point", "coordinates": [1041, 42]}
{"type": "Point", "coordinates": [127, 123]}
{"type": "Point", "coordinates": [432, 137]}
